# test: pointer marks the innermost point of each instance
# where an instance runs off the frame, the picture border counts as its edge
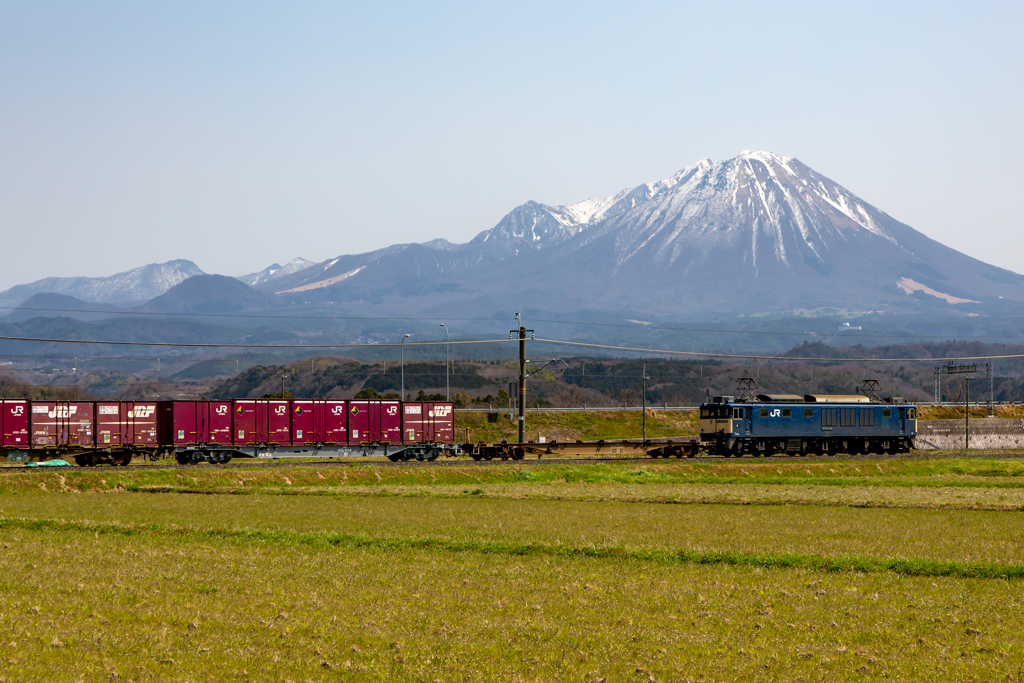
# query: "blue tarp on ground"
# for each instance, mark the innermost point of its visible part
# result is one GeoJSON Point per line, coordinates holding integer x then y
{"type": "Point", "coordinates": [49, 463]}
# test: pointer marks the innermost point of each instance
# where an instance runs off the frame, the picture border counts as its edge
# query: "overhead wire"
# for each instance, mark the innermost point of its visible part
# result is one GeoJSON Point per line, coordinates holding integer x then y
{"type": "Point", "coordinates": [703, 354]}
{"type": "Point", "coordinates": [206, 345]}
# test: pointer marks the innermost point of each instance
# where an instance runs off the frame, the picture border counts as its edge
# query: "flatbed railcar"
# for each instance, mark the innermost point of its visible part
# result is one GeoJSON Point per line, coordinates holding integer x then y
{"type": "Point", "coordinates": [113, 432]}
{"type": "Point", "coordinates": [814, 424]}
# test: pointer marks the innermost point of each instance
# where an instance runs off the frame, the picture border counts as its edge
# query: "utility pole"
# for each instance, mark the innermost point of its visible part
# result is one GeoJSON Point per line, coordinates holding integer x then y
{"type": "Point", "coordinates": [645, 403]}
{"type": "Point", "coordinates": [522, 384]}
{"type": "Point", "coordinates": [283, 375]}
{"type": "Point", "coordinates": [447, 390]}
{"type": "Point", "coordinates": [403, 364]}
{"type": "Point", "coordinates": [967, 416]}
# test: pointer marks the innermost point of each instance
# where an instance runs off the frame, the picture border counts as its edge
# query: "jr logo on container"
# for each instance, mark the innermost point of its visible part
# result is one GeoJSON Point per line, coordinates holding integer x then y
{"type": "Point", "coordinates": [776, 412]}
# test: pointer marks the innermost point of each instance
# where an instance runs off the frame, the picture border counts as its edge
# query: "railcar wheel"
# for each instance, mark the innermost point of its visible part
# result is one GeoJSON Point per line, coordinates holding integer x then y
{"type": "Point", "coordinates": [195, 457]}
{"type": "Point", "coordinates": [123, 459]}
{"type": "Point", "coordinates": [83, 460]}
{"type": "Point", "coordinates": [392, 457]}
{"type": "Point", "coordinates": [432, 455]}
{"type": "Point", "coordinates": [182, 458]}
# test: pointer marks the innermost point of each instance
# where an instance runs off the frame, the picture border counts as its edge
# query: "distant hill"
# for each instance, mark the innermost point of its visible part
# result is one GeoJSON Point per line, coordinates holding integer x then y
{"type": "Point", "coordinates": [208, 294]}
{"type": "Point", "coordinates": [50, 305]}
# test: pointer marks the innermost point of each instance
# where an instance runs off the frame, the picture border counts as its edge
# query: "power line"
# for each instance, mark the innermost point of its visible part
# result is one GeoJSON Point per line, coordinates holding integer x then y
{"type": "Point", "coordinates": [779, 358]}
{"type": "Point", "coordinates": [247, 346]}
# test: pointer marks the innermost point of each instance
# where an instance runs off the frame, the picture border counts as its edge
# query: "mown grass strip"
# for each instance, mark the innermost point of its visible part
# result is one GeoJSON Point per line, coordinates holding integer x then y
{"type": "Point", "coordinates": [675, 498]}
{"type": "Point", "coordinates": [834, 564]}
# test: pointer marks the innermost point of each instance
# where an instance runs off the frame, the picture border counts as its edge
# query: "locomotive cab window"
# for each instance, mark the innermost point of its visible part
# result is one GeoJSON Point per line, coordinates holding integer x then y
{"type": "Point", "coordinates": [886, 412]}
{"type": "Point", "coordinates": [786, 412]}
{"type": "Point", "coordinates": [764, 412]}
{"type": "Point", "coordinates": [808, 412]}
{"type": "Point", "coordinates": [911, 414]}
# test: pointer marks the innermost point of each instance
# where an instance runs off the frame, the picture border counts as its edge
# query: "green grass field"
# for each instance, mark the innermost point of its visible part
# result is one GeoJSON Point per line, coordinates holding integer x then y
{"type": "Point", "coordinates": [761, 570]}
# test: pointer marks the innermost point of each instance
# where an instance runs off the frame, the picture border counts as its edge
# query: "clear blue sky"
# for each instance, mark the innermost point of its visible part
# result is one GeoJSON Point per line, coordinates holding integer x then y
{"type": "Point", "coordinates": [238, 134]}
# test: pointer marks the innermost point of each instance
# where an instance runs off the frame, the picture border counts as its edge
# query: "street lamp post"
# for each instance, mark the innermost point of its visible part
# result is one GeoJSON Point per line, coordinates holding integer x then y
{"type": "Point", "coordinates": [447, 389]}
{"type": "Point", "coordinates": [403, 364]}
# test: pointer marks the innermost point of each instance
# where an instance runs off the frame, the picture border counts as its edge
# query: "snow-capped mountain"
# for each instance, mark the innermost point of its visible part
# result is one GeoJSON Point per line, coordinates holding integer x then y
{"type": "Point", "coordinates": [275, 271]}
{"type": "Point", "coordinates": [130, 287]}
{"type": "Point", "coordinates": [758, 233]}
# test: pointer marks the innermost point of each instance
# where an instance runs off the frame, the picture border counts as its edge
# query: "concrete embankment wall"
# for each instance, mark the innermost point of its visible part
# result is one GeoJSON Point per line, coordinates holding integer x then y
{"type": "Point", "coordinates": [986, 432]}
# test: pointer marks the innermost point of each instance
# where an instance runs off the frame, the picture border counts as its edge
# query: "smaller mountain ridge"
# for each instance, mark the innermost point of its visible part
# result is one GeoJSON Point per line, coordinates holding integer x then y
{"type": "Point", "coordinates": [129, 287]}
{"type": "Point", "coordinates": [49, 305]}
{"type": "Point", "coordinates": [208, 294]}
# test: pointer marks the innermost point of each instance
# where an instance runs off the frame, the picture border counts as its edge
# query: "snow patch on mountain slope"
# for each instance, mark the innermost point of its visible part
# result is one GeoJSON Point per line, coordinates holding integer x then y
{"type": "Point", "coordinates": [275, 271]}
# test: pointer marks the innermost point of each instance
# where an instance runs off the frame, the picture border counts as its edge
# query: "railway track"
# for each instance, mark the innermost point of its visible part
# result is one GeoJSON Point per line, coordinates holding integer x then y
{"type": "Point", "coordinates": [537, 462]}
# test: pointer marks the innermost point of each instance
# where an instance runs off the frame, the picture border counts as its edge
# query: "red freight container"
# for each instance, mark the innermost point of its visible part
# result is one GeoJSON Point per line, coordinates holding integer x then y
{"type": "Point", "coordinates": [319, 422]}
{"type": "Point", "coordinates": [14, 423]}
{"type": "Point", "coordinates": [412, 422]}
{"type": "Point", "coordinates": [428, 422]}
{"type": "Point", "coordinates": [273, 422]}
{"type": "Point", "coordinates": [307, 422]}
{"type": "Point", "coordinates": [189, 423]}
{"type": "Point", "coordinates": [62, 423]}
{"type": "Point", "coordinates": [336, 422]}
{"type": "Point", "coordinates": [126, 423]}
{"type": "Point", "coordinates": [359, 422]}
{"type": "Point", "coordinates": [244, 421]}
{"type": "Point", "coordinates": [439, 422]}
{"type": "Point", "coordinates": [218, 422]}
{"type": "Point", "coordinates": [374, 422]}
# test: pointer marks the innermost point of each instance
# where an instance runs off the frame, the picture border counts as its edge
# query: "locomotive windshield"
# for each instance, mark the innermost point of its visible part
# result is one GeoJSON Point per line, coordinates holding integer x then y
{"type": "Point", "coordinates": [715, 411]}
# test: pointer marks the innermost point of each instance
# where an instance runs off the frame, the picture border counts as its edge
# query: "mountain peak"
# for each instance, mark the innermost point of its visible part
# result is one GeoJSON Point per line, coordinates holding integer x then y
{"type": "Point", "coordinates": [131, 286]}
{"type": "Point", "coordinates": [275, 271]}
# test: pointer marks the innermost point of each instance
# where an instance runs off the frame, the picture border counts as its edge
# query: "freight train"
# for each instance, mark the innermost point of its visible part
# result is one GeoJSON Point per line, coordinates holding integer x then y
{"type": "Point", "coordinates": [215, 431]}
{"type": "Point", "coordinates": [813, 424]}
{"type": "Point", "coordinates": [113, 432]}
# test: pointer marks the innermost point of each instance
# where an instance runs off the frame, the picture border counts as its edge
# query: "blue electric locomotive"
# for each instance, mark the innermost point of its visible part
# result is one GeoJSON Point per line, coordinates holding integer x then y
{"type": "Point", "coordinates": [813, 424]}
